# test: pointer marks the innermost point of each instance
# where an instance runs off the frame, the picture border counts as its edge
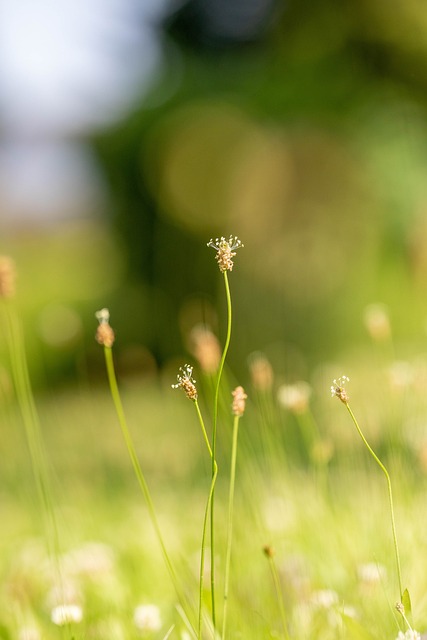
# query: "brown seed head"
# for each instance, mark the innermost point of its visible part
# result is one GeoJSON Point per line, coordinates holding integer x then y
{"type": "Point", "coordinates": [225, 251]}
{"type": "Point", "coordinates": [268, 551]}
{"type": "Point", "coordinates": [104, 333]}
{"type": "Point", "coordinates": [400, 608]}
{"type": "Point", "coordinates": [239, 401]}
{"type": "Point", "coordinates": [377, 322]}
{"type": "Point", "coordinates": [7, 277]}
{"type": "Point", "coordinates": [261, 372]}
{"type": "Point", "coordinates": [338, 390]}
{"type": "Point", "coordinates": [186, 382]}
{"type": "Point", "coordinates": [205, 347]}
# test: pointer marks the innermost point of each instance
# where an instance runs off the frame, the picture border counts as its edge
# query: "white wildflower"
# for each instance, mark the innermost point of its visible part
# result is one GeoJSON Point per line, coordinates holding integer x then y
{"type": "Point", "coordinates": [325, 598]}
{"type": "Point", "coordinates": [294, 397]}
{"type": "Point", "coordinates": [66, 613]}
{"type": "Point", "coordinates": [371, 573]}
{"type": "Point", "coordinates": [147, 617]}
{"type": "Point", "coordinates": [349, 611]}
{"type": "Point", "coordinates": [411, 634]}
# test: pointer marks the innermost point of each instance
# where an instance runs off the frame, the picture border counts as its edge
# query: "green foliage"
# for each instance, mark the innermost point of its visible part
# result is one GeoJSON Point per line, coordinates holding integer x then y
{"type": "Point", "coordinates": [406, 601]}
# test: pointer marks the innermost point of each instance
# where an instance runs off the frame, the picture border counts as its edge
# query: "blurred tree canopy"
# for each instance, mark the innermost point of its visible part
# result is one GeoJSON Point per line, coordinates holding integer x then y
{"type": "Point", "coordinates": [298, 126]}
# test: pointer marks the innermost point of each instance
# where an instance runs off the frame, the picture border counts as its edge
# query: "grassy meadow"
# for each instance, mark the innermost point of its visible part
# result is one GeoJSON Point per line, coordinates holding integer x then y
{"type": "Point", "coordinates": [311, 551]}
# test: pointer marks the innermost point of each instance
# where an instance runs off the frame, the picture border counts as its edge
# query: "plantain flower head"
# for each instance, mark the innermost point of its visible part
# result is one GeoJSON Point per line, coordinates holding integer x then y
{"type": "Point", "coordinates": [204, 346]}
{"type": "Point", "coordinates": [338, 390]}
{"type": "Point", "coordinates": [262, 375]}
{"type": "Point", "coordinates": [239, 401]}
{"type": "Point", "coordinates": [225, 251]}
{"type": "Point", "coordinates": [186, 382]}
{"type": "Point", "coordinates": [104, 333]}
{"type": "Point", "coordinates": [7, 277]}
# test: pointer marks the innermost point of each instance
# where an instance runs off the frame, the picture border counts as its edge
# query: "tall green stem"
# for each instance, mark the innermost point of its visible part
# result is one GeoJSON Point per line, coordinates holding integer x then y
{"type": "Point", "coordinates": [202, 424]}
{"type": "Point", "coordinates": [205, 520]}
{"type": "Point", "coordinates": [137, 468]}
{"type": "Point", "coordinates": [390, 495]}
{"type": "Point", "coordinates": [33, 435]}
{"type": "Point", "coordinates": [279, 595]}
{"type": "Point", "coordinates": [214, 430]}
{"type": "Point", "coordinates": [230, 522]}
{"type": "Point", "coordinates": [31, 421]}
{"type": "Point", "coordinates": [203, 545]}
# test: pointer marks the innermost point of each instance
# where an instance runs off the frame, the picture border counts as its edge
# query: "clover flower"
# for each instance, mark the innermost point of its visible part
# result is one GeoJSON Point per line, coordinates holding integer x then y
{"type": "Point", "coordinates": [104, 333]}
{"type": "Point", "coordinates": [225, 251]}
{"type": "Point", "coordinates": [410, 634]}
{"type": "Point", "coordinates": [186, 382]}
{"type": "Point", "coordinates": [337, 389]}
{"type": "Point", "coordinates": [325, 598]}
{"type": "Point", "coordinates": [147, 617]}
{"type": "Point", "coordinates": [371, 573]}
{"type": "Point", "coordinates": [295, 397]}
{"type": "Point", "coordinates": [66, 613]}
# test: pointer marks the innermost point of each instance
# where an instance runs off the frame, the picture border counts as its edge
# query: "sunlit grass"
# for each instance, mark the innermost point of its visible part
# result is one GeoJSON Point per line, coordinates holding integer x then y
{"type": "Point", "coordinates": [300, 546]}
{"type": "Point", "coordinates": [320, 539]}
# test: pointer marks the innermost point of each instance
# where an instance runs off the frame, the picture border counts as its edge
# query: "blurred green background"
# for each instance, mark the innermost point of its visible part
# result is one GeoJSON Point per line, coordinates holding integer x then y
{"type": "Point", "coordinates": [299, 126]}
{"type": "Point", "coordinates": [131, 133]}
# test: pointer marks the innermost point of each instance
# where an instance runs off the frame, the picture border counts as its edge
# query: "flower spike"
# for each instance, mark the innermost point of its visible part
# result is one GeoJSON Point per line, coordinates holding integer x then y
{"type": "Point", "coordinates": [104, 333]}
{"type": "Point", "coordinates": [225, 251]}
{"type": "Point", "coordinates": [239, 401]}
{"type": "Point", "coordinates": [338, 390]}
{"type": "Point", "coordinates": [186, 382]}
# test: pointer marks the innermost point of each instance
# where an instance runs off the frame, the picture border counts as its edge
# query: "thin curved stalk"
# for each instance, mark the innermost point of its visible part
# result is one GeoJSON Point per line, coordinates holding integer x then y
{"type": "Point", "coordinates": [203, 545]}
{"type": "Point", "coordinates": [390, 495]}
{"type": "Point", "coordinates": [230, 522]}
{"type": "Point", "coordinates": [137, 468]}
{"type": "Point", "coordinates": [279, 594]}
{"type": "Point", "coordinates": [214, 432]}
{"type": "Point", "coordinates": [31, 421]}
{"type": "Point", "coordinates": [30, 417]}
{"type": "Point", "coordinates": [205, 521]}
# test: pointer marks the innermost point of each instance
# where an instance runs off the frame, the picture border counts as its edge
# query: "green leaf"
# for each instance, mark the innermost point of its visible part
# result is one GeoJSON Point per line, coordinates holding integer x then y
{"type": "Point", "coordinates": [406, 601]}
